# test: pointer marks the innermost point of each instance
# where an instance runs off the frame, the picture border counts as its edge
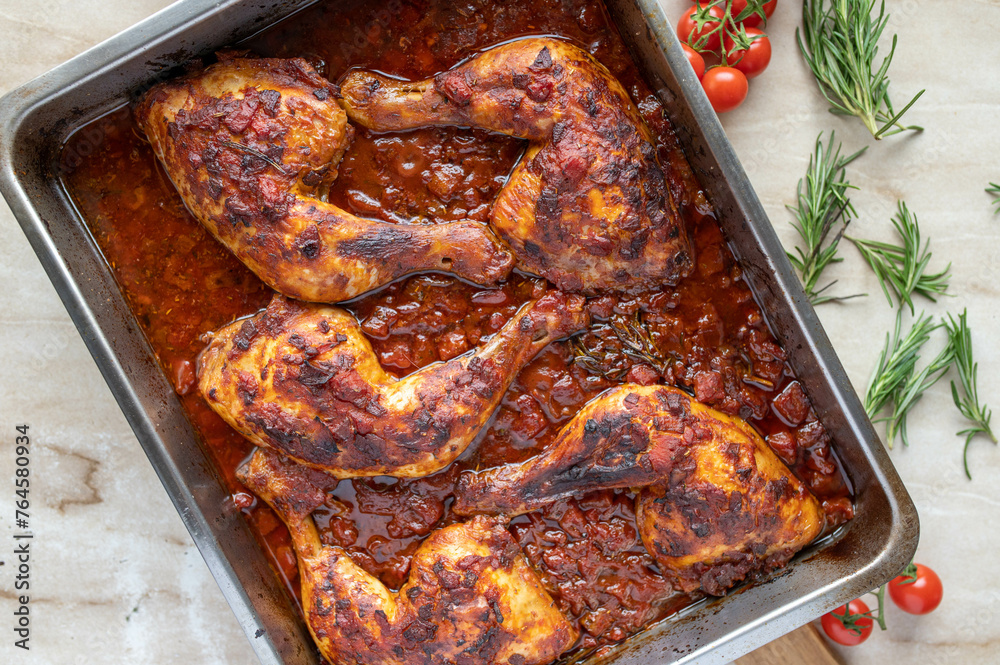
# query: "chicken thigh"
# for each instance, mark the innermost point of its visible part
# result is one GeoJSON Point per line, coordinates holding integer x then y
{"type": "Point", "coordinates": [718, 504]}
{"type": "Point", "coordinates": [587, 207]}
{"type": "Point", "coordinates": [303, 380]}
{"type": "Point", "coordinates": [471, 598]}
{"type": "Point", "coordinates": [252, 144]}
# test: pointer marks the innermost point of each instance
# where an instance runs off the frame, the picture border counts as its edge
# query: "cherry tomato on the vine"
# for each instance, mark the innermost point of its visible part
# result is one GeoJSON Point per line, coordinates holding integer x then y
{"type": "Point", "coordinates": [688, 32]}
{"type": "Point", "coordinates": [754, 60]}
{"type": "Point", "coordinates": [845, 626]}
{"type": "Point", "coordinates": [726, 88]}
{"type": "Point", "coordinates": [917, 594]}
{"type": "Point", "coordinates": [753, 20]}
{"type": "Point", "coordinates": [697, 62]}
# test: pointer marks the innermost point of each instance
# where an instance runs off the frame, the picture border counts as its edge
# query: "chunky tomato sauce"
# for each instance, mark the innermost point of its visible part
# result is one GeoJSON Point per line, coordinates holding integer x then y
{"type": "Point", "coordinates": [706, 335]}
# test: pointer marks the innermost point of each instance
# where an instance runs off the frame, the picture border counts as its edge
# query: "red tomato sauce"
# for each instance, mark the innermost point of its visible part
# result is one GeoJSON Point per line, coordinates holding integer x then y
{"type": "Point", "coordinates": [706, 335]}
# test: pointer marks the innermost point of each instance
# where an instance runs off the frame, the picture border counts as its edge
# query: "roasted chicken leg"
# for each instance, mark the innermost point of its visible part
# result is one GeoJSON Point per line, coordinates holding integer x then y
{"type": "Point", "coordinates": [252, 144]}
{"type": "Point", "coordinates": [303, 380]}
{"type": "Point", "coordinates": [470, 599]}
{"type": "Point", "coordinates": [587, 207]}
{"type": "Point", "coordinates": [718, 503]}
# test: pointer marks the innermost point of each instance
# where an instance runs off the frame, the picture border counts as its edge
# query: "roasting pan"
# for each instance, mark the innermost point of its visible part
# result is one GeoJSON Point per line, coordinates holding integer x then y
{"type": "Point", "coordinates": [35, 120]}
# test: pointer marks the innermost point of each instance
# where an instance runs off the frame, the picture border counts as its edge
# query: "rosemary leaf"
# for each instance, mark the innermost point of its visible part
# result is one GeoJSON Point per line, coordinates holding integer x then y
{"type": "Point", "coordinates": [960, 338]}
{"type": "Point", "coordinates": [256, 153]}
{"type": "Point", "coordinates": [822, 205]}
{"type": "Point", "coordinates": [895, 383]}
{"type": "Point", "coordinates": [910, 392]}
{"type": "Point", "coordinates": [902, 269]}
{"type": "Point", "coordinates": [598, 363]}
{"type": "Point", "coordinates": [638, 343]}
{"type": "Point", "coordinates": [637, 346]}
{"type": "Point", "coordinates": [839, 41]}
{"type": "Point", "coordinates": [994, 189]}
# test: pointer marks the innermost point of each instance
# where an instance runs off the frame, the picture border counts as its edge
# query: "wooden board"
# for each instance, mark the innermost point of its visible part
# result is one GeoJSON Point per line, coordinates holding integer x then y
{"type": "Point", "coordinates": [804, 646]}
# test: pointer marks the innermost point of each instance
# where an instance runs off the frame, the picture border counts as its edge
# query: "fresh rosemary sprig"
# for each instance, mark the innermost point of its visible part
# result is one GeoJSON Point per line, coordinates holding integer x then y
{"type": "Point", "coordinates": [839, 41]}
{"type": "Point", "coordinates": [960, 338]}
{"type": "Point", "coordinates": [912, 389]}
{"type": "Point", "coordinates": [895, 383]}
{"type": "Point", "coordinates": [902, 268]}
{"type": "Point", "coordinates": [822, 205]}
{"type": "Point", "coordinates": [994, 189]}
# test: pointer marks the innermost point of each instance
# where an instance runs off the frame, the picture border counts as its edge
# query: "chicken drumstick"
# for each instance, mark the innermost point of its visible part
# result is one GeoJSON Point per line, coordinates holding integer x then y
{"type": "Point", "coordinates": [251, 145]}
{"type": "Point", "coordinates": [471, 597]}
{"type": "Point", "coordinates": [718, 504]}
{"type": "Point", "coordinates": [587, 207]}
{"type": "Point", "coordinates": [303, 380]}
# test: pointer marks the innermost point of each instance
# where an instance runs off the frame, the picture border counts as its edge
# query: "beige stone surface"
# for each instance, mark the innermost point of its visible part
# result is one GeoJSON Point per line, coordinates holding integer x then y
{"type": "Point", "coordinates": [115, 577]}
{"type": "Point", "coordinates": [941, 174]}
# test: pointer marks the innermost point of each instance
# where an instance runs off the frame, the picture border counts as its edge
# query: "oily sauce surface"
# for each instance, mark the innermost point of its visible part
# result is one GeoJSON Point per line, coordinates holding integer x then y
{"type": "Point", "coordinates": [706, 335]}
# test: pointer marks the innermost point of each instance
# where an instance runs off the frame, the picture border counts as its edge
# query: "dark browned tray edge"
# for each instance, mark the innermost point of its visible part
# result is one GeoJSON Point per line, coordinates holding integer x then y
{"type": "Point", "coordinates": [97, 308]}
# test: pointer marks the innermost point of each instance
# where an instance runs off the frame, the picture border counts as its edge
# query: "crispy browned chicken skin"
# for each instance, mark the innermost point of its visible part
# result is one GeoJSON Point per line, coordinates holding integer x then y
{"type": "Point", "coordinates": [471, 598]}
{"type": "Point", "coordinates": [302, 379]}
{"type": "Point", "coordinates": [587, 207]}
{"type": "Point", "coordinates": [252, 144]}
{"type": "Point", "coordinates": [717, 506]}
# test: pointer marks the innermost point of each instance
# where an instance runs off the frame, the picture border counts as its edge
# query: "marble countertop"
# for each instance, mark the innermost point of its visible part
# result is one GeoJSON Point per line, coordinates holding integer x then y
{"type": "Point", "coordinates": [116, 578]}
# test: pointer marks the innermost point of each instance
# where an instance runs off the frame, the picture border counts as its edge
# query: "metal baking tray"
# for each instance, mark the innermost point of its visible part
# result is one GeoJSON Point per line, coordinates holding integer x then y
{"type": "Point", "coordinates": [35, 120]}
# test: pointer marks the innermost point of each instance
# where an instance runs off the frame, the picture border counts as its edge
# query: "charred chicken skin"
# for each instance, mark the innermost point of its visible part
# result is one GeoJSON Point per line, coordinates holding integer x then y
{"type": "Point", "coordinates": [587, 207]}
{"type": "Point", "coordinates": [470, 599]}
{"type": "Point", "coordinates": [717, 504]}
{"type": "Point", "coordinates": [303, 380]}
{"type": "Point", "coordinates": [252, 145]}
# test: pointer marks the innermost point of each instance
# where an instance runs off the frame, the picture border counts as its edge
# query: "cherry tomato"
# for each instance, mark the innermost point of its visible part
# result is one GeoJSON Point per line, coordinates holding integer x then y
{"type": "Point", "coordinates": [688, 32]}
{"type": "Point", "coordinates": [754, 60]}
{"type": "Point", "coordinates": [849, 630]}
{"type": "Point", "coordinates": [726, 88]}
{"type": "Point", "coordinates": [697, 62]}
{"type": "Point", "coordinates": [920, 595]}
{"type": "Point", "coordinates": [753, 20]}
